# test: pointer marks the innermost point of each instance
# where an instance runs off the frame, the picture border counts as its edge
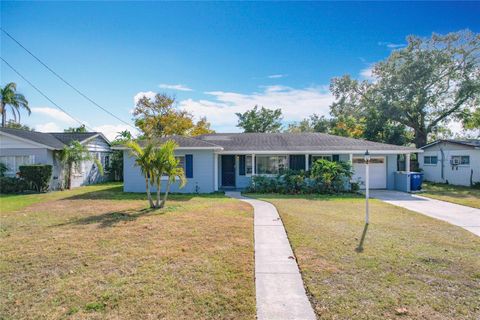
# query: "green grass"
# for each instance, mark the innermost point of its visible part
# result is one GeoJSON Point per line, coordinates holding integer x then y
{"type": "Point", "coordinates": [98, 253]}
{"type": "Point", "coordinates": [457, 194]}
{"type": "Point", "coordinates": [404, 265]}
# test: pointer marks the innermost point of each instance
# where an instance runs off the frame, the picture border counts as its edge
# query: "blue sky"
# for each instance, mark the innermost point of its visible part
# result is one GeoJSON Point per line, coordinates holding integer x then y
{"type": "Point", "coordinates": [216, 58]}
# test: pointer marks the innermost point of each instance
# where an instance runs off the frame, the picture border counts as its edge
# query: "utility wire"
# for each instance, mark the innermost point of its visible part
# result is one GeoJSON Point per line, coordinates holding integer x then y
{"type": "Point", "coordinates": [65, 81]}
{"type": "Point", "coordinates": [43, 94]}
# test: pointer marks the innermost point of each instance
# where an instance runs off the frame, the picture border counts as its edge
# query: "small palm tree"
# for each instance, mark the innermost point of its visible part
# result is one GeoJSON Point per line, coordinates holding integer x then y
{"type": "Point", "coordinates": [144, 159]}
{"type": "Point", "coordinates": [16, 101]}
{"type": "Point", "coordinates": [172, 170]}
{"type": "Point", "coordinates": [73, 154]}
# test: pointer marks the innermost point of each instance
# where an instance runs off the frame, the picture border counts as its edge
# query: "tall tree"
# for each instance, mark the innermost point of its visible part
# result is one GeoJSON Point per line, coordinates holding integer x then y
{"type": "Point", "coordinates": [16, 101]}
{"type": "Point", "coordinates": [313, 123]}
{"type": "Point", "coordinates": [80, 129]}
{"type": "Point", "coordinates": [422, 86]}
{"type": "Point", "coordinates": [260, 120]}
{"type": "Point", "coordinates": [158, 117]}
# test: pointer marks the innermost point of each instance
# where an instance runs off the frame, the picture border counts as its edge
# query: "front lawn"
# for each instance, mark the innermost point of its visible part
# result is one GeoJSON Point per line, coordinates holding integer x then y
{"type": "Point", "coordinates": [404, 265]}
{"type": "Point", "coordinates": [98, 253]}
{"type": "Point", "coordinates": [457, 194]}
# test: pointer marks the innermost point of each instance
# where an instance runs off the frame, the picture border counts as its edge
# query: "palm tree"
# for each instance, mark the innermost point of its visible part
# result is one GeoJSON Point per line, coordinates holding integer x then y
{"type": "Point", "coordinates": [172, 170]}
{"type": "Point", "coordinates": [73, 154]}
{"type": "Point", "coordinates": [16, 101]}
{"type": "Point", "coordinates": [144, 160]}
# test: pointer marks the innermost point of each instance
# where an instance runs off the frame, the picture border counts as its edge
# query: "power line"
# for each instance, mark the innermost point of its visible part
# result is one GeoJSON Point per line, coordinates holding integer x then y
{"type": "Point", "coordinates": [43, 94]}
{"type": "Point", "coordinates": [65, 81]}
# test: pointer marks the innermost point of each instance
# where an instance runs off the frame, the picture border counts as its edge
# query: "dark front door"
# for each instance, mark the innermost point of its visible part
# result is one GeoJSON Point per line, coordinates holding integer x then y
{"type": "Point", "coordinates": [228, 171]}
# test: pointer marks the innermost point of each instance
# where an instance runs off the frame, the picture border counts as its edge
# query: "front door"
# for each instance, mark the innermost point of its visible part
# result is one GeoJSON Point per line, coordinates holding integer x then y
{"type": "Point", "coordinates": [228, 171]}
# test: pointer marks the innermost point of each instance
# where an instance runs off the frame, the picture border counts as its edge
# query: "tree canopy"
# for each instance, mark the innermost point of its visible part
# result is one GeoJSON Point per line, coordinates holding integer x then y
{"type": "Point", "coordinates": [260, 120]}
{"type": "Point", "coordinates": [158, 117]}
{"type": "Point", "coordinates": [16, 101]}
{"type": "Point", "coordinates": [80, 129]}
{"type": "Point", "coordinates": [420, 87]}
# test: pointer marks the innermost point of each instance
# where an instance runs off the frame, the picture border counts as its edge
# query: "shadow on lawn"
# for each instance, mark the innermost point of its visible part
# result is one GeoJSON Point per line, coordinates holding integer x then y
{"type": "Point", "coordinates": [116, 193]}
{"type": "Point", "coordinates": [110, 219]}
{"type": "Point", "coordinates": [362, 239]}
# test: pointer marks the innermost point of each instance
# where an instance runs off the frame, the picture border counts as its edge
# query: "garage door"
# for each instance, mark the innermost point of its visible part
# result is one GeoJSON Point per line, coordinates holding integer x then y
{"type": "Point", "coordinates": [377, 172]}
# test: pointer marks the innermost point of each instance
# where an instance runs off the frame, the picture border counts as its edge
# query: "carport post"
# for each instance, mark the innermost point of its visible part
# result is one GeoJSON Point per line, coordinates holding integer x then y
{"type": "Point", "coordinates": [367, 186]}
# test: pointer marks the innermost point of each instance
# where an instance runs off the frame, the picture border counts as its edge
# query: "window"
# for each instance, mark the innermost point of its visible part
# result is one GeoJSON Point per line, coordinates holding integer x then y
{"type": "Point", "coordinates": [106, 161]}
{"type": "Point", "coordinates": [324, 157]}
{"type": "Point", "coordinates": [271, 164]}
{"type": "Point", "coordinates": [461, 160]}
{"type": "Point", "coordinates": [432, 160]}
{"type": "Point", "coordinates": [181, 163]}
{"type": "Point", "coordinates": [248, 164]}
{"type": "Point", "coordinates": [13, 163]}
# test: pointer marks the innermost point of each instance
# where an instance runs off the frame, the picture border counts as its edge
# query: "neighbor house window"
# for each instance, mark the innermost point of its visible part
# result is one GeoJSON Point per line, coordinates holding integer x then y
{"type": "Point", "coordinates": [248, 164]}
{"type": "Point", "coordinates": [13, 163]}
{"type": "Point", "coordinates": [271, 164]}
{"type": "Point", "coordinates": [106, 161]}
{"type": "Point", "coordinates": [430, 160]}
{"type": "Point", "coordinates": [322, 157]}
{"type": "Point", "coordinates": [462, 160]}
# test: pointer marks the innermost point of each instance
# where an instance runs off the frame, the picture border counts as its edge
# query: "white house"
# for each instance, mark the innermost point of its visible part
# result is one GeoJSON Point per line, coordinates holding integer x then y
{"type": "Point", "coordinates": [451, 161]}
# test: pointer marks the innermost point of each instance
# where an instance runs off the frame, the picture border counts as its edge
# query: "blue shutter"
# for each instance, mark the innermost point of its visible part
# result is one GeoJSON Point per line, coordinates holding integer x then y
{"type": "Point", "coordinates": [336, 158]}
{"type": "Point", "coordinates": [189, 165]}
{"type": "Point", "coordinates": [241, 169]}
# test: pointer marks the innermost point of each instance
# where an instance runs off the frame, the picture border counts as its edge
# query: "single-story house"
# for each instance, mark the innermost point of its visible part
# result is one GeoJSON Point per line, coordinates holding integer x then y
{"type": "Point", "coordinates": [451, 161]}
{"type": "Point", "coordinates": [19, 147]}
{"type": "Point", "coordinates": [221, 161]}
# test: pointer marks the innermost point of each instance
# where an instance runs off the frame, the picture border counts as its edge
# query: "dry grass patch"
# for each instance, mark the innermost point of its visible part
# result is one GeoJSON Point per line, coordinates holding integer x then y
{"type": "Point", "coordinates": [411, 266]}
{"type": "Point", "coordinates": [457, 194]}
{"type": "Point", "coordinates": [100, 254]}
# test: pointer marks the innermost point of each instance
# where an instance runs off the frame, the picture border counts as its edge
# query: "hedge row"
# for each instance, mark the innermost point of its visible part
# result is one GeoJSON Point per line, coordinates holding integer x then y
{"type": "Point", "coordinates": [31, 177]}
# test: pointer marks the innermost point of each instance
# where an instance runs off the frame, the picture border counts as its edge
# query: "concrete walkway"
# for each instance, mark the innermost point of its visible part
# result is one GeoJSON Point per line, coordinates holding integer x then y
{"type": "Point", "coordinates": [279, 287]}
{"type": "Point", "coordinates": [462, 216]}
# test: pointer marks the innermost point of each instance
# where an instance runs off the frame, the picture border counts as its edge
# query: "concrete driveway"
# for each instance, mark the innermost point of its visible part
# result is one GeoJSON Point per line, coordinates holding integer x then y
{"type": "Point", "coordinates": [462, 216]}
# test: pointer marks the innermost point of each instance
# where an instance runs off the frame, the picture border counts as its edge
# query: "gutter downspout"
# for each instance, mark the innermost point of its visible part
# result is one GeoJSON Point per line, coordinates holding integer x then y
{"type": "Point", "coordinates": [443, 160]}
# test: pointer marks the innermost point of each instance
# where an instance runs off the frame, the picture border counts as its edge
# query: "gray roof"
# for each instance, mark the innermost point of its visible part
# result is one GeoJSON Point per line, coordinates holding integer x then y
{"type": "Point", "coordinates": [294, 142]}
{"type": "Point", "coordinates": [53, 140]}
{"type": "Point", "coordinates": [185, 142]}
{"type": "Point", "coordinates": [67, 137]}
{"type": "Point", "coordinates": [474, 143]}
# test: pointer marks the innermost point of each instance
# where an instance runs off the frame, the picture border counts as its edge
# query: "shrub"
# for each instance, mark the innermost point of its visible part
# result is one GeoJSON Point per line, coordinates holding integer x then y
{"type": "Point", "coordinates": [3, 169]}
{"type": "Point", "coordinates": [37, 176]}
{"type": "Point", "coordinates": [12, 185]}
{"type": "Point", "coordinates": [325, 177]}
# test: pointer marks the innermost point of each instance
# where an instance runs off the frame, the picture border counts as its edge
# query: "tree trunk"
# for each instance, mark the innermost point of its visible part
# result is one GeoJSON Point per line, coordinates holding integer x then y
{"type": "Point", "coordinates": [159, 187]}
{"type": "Point", "coordinates": [4, 114]}
{"type": "Point", "coordinates": [167, 190]}
{"type": "Point", "coordinates": [149, 196]}
{"type": "Point", "coordinates": [69, 176]}
{"type": "Point", "coordinates": [420, 138]}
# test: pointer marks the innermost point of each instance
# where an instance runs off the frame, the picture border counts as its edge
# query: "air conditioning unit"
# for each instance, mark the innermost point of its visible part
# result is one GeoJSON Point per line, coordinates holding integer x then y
{"type": "Point", "coordinates": [455, 162]}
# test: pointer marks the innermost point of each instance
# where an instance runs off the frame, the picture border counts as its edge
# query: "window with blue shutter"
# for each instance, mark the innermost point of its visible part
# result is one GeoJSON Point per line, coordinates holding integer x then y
{"type": "Point", "coordinates": [189, 165]}
{"type": "Point", "coordinates": [336, 158]}
{"type": "Point", "coordinates": [241, 164]}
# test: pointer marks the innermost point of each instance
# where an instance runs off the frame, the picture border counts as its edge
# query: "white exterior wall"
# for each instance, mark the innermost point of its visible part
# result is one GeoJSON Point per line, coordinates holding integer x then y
{"type": "Point", "coordinates": [456, 175]}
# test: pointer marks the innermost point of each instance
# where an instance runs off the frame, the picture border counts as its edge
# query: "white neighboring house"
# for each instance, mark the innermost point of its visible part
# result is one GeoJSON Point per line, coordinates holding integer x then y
{"type": "Point", "coordinates": [19, 147]}
{"type": "Point", "coordinates": [454, 161]}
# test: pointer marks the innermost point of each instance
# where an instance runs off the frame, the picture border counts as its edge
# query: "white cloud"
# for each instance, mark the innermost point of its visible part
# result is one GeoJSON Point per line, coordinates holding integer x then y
{"type": "Point", "coordinates": [111, 130]}
{"type": "Point", "coordinates": [296, 104]}
{"type": "Point", "coordinates": [141, 94]}
{"type": "Point", "coordinates": [179, 87]}
{"type": "Point", "coordinates": [276, 76]}
{"type": "Point", "coordinates": [367, 73]}
{"type": "Point", "coordinates": [48, 127]}
{"type": "Point", "coordinates": [391, 45]}
{"type": "Point", "coordinates": [54, 113]}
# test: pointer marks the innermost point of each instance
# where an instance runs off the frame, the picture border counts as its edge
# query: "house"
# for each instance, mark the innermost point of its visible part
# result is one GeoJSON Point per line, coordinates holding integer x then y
{"type": "Point", "coordinates": [451, 161]}
{"type": "Point", "coordinates": [19, 147]}
{"type": "Point", "coordinates": [229, 160]}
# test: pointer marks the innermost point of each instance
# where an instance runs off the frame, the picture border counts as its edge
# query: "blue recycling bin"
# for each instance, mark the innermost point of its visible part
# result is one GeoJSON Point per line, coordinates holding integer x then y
{"type": "Point", "coordinates": [416, 179]}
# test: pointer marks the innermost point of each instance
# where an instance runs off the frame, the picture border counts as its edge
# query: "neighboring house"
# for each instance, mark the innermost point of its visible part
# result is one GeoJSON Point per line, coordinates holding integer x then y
{"type": "Point", "coordinates": [229, 160]}
{"type": "Point", "coordinates": [454, 161]}
{"type": "Point", "coordinates": [19, 147]}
